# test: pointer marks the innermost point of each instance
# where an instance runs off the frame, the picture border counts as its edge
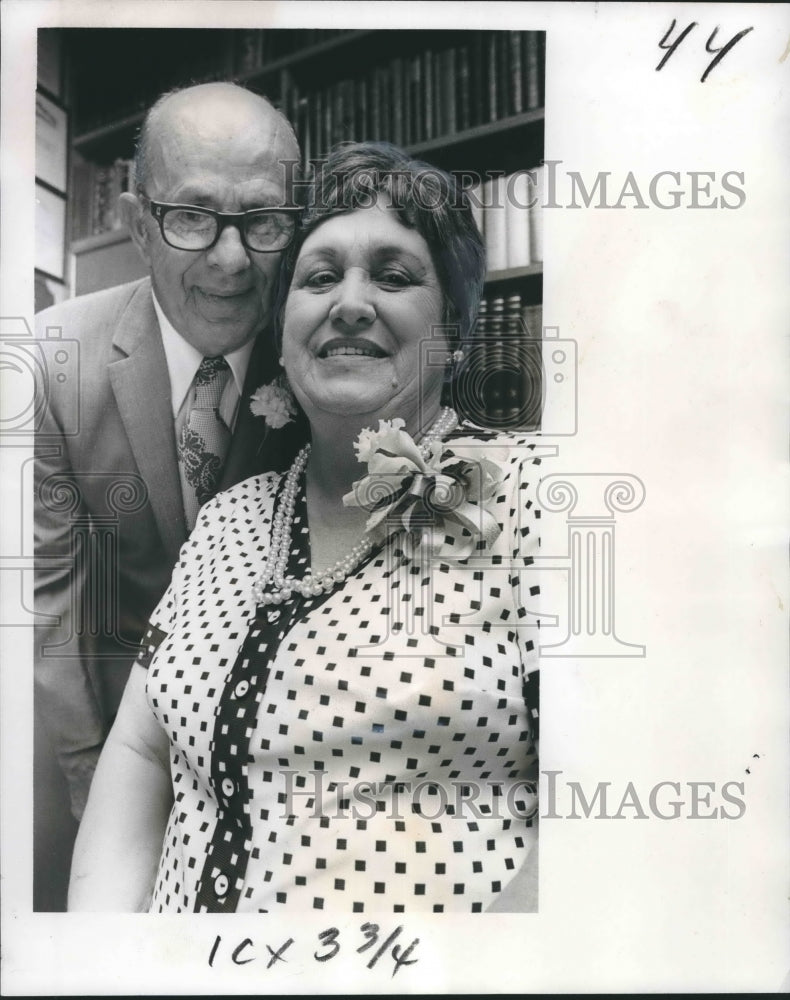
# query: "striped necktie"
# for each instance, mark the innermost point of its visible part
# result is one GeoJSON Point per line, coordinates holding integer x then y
{"type": "Point", "coordinates": [204, 440]}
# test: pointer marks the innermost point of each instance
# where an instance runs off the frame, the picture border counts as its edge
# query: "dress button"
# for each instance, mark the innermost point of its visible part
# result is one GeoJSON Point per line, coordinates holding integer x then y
{"type": "Point", "coordinates": [228, 788]}
{"type": "Point", "coordinates": [221, 885]}
{"type": "Point", "coordinates": [242, 688]}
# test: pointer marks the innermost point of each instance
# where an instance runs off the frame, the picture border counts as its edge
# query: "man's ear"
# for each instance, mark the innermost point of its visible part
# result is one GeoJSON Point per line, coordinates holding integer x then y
{"type": "Point", "coordinates": [132, 213]}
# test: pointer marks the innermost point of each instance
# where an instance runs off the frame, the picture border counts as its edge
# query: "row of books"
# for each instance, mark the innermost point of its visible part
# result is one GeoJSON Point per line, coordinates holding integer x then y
{"type": "Point", "coordinates": [501, 380]}
{"type": "Point", "coordinates": [429, 95]}
{"type": "Point", "coordinates": [96, 189]}
{"type": "Point", "coordinates": [255, 48]}
{"type": "Point", "coordinates": [396, 93]}
{"type": "Point", "coordinates": [508, 211]}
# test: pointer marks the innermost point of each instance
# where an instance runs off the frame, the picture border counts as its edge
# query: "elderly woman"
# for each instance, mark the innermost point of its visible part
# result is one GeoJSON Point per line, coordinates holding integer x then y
{"type": "Point", "coordinates": [334, 704]}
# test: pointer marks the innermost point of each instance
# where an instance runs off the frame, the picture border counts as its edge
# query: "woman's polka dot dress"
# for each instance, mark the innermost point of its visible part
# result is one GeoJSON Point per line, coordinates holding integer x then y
{"type": "Point", "coordinates": [370, 749]}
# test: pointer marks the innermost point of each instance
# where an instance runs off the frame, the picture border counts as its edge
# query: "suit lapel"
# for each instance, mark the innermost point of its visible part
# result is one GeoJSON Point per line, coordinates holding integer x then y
{"type": "Point", "coordinates": [253, 447]}
{"type": "Point", "coordinates": [142, 391]}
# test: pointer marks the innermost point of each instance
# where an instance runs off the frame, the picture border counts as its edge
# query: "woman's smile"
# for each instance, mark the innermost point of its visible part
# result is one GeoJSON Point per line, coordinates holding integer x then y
{"type": "Point", "coordinates": [351, 348]}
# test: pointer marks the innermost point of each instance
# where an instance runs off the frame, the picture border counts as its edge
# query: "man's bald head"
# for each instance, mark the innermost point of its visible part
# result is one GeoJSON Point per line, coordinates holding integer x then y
{"type": "Point", "coordinates": [223, 150]}
{"type": "Point", "coordinates": [210, 107]}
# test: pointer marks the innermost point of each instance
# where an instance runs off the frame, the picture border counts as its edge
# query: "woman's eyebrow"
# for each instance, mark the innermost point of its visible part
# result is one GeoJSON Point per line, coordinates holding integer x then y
{"type": "Point", "coordinates": [326, 253]}
{"type": "Point", "coordinates": [381, 253]}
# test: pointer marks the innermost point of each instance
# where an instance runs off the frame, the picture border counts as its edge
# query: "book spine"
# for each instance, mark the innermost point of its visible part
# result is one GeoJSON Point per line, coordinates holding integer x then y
{"type": "Point", "coordinates": [329, 99]}
{"type": "Point", "coordinates": [452, 102]}
{"type": "Point", "coordinates": [494, 190]}
{"type": "Point", "coordinates": [396, 90]}
{"type": "Point", "coordinates": [99, 199]}
{"type": "Point", "coordinates": [316, 105]}
{"type": "Point", "coordinates": [517, 218]}
{"type": "Point", "coordinates": [113, 217]}
{"type": "Point", "coordinates": [477, 82]}
{"type": "Point", "coordinates": [491, 76]}
{"type": "Point", "coordinates": [429, 96]}
{"type": "Point", "coordinates": [294, 100]}
{"type": "Point", "coordinates": [416, 97]}
{"type": "Point", "coordinates": [131, 180]}
{"type": "Point", "coordinates": [541, 36]}
{"type": "Point", "coordinates": [361, 129]}
{"type": "Point", "coordinates": [475, 196]}
{"type": "Point", "coordinates": [303, 130]}
{"type": "Point", "coordinates": [532, 71]}
{"type": "Point", "coordinates": [503, 74]}
{"type": "Point", "coordinates": [495, 381]}
{"type": "Point", "coordinates": [350, 112]}
{"type": "Point", "coordinates": [464, 82]}
{"type": "Point", "coordinates": [440, 105]}
{"type": "Point", "coordinates": [516, 74]}
{"type": "Point", "coordinates": [515, 363]}
{"type": "Point", "coordinates": [532, 319]}
{"type": "Point", "coordinates": [82, 199]}
{"type": "Point", "coordinates": [338, 111]}
{"type": "Point", "coordinates": [376, 131]}
{"type": "Point", "coordinates": [405, 69]}
{"type": "Point", "coordinates": [536, 214]}
{"type": "Point", "coordinates": [470, 396]}
{"type": "Point", "coordinates": [387, 121]}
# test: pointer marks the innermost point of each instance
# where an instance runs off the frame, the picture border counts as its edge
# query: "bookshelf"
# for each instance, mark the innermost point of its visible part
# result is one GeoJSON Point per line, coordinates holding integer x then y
{"type": "Point", "coordinates": [468, 101]}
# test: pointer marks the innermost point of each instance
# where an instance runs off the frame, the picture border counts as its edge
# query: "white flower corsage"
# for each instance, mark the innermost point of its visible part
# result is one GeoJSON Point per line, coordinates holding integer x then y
{"type": "Point", "coordinates": [275, 403]}
{"type": "Point", "coordinates": [425, 489]}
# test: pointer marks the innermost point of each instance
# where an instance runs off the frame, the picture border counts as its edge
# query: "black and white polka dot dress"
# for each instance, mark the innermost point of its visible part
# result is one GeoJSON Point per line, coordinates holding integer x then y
{"type": "Point", "coordinates": [370, 749]}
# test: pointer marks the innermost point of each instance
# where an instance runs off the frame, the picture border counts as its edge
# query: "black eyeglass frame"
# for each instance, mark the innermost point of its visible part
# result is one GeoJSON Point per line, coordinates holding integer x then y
{"type": "Point", "coordinates": [159, 210]}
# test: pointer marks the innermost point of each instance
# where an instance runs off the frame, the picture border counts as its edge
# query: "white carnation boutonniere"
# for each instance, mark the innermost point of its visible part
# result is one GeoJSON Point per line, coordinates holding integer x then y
{"type": "Point", "coordinates": [275, 403]}
{"type": "Point", "coordinates": [437, 490]}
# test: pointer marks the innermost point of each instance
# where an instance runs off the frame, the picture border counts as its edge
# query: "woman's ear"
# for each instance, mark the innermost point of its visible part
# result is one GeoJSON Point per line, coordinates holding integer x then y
{"type": "Point", "coordinates": [133, 215]}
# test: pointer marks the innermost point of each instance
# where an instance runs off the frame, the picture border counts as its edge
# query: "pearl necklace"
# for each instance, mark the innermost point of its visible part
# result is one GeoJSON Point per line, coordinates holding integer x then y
{"type": "Point", "coordinates": [273, 586]}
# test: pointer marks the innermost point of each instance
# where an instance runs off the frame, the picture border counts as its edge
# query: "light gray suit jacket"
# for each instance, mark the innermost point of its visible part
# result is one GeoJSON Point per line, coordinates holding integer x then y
{"type": "Point", "coordinates": [109, 514]}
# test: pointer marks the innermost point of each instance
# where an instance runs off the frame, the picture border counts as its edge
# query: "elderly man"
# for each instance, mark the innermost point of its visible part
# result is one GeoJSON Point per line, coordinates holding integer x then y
{"type": "Point", "coordinates": [166, 369]}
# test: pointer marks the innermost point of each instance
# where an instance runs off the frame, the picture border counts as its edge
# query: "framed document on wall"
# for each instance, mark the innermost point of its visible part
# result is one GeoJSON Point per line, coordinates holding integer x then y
{"type": "Point", "coordinates": [51, 142]}
{"type": "Point", "coordinates": [50, 231]}
{"type": "Point", "coordinates": [50, 61]}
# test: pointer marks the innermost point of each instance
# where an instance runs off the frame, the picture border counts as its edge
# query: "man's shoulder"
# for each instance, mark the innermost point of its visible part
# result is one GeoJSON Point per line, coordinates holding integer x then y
{"type": "Point", "coordinates": [98, 311]}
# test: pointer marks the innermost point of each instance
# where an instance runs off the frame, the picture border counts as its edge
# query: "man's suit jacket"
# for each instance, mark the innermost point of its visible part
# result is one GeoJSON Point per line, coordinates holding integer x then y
{"type": "Point", "coordinates": [109, 511]}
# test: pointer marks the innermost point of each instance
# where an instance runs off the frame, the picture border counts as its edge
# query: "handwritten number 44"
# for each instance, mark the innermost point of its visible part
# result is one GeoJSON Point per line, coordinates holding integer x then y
{"type": "Point", "coordinates": [718, 53]}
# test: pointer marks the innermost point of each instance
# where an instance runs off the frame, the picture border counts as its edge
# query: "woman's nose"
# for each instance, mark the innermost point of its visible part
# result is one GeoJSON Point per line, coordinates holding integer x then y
{"type": "Point", "coordinates": [353, 306]}
{"type": "Point", "coordinates": [229, 253]}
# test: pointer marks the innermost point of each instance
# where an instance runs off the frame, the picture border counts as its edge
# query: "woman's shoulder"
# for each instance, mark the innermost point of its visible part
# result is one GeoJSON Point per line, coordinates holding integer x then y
{"type": "Point", "coordinates": [506, 448]}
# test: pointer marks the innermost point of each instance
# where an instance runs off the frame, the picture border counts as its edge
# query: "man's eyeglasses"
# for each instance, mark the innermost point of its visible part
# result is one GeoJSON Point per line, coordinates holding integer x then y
{"type": "Point", "coordinates": [189, 227]}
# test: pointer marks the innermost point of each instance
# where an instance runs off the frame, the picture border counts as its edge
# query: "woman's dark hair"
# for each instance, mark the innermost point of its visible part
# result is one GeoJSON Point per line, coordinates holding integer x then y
{"type": "Point", "coordinates": [423, 197]}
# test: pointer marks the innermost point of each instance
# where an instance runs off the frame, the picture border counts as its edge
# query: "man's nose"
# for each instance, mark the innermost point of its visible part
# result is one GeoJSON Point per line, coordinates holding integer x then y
{"type": "Point", "coordinates": [353, 306]}
{"type": "Point", "coordinates": [229, 253]}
